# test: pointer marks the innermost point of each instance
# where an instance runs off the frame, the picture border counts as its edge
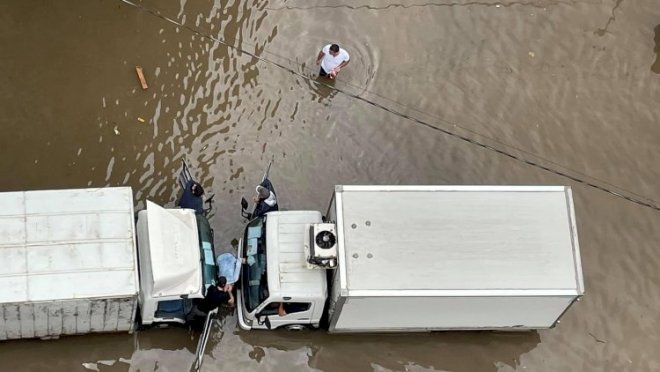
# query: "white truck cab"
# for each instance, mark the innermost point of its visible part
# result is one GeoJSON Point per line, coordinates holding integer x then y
{"type": "Point", "coordinates": [175, 266]}
{"type": "Point", "coordinates": [275, 272]}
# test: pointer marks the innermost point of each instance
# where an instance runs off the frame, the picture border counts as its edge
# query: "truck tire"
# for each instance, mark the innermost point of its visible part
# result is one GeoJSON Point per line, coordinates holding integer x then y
{"type": "Point", "coordinates": [295, 327]}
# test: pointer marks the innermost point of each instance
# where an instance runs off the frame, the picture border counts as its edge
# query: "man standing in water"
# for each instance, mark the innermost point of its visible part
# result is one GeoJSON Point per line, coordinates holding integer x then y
{"type": "Point", "coordinates": [332, 59]}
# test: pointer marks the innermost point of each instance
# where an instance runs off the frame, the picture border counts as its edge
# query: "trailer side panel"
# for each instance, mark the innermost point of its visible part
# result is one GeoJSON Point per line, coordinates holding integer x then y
{"type": "Point", "coordinates": [57, 318]}
{"type": "Point", "coordinates": [384, 314]}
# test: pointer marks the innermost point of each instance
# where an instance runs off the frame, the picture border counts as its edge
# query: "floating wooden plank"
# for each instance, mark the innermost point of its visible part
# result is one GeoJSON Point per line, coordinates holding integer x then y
{"type": "Point", "coordinates": [140, 74]}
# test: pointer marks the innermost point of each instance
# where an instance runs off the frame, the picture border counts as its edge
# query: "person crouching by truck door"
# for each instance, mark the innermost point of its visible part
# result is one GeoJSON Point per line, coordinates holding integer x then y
{"type": "Point", "coordinates": [192, 197]}
{"type": "Point", "coordinates": [266, 201]}
{"type": "Point", "coordinates": [216, 296]}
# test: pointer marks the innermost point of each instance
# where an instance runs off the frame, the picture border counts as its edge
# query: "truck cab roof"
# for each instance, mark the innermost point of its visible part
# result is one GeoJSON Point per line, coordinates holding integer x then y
{"type": "Point", "coordinates": [288, 274]}
{"type": "Point", "coordinates": [169, 252]}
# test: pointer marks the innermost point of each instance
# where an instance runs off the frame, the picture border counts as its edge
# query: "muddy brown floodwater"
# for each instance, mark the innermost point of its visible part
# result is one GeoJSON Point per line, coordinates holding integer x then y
{"type": "Point", "coordinates": [496, 92]}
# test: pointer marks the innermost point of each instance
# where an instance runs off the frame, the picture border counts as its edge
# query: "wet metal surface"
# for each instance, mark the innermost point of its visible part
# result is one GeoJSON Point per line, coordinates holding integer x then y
{"type": "Point", "coordinates": [437, 92]}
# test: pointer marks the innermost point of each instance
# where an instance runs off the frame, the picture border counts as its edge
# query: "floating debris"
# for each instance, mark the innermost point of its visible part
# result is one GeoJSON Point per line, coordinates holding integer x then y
{"type": "Point", "coordinates": [597, 339]}
{"type": "Point", "coordinates": [140, 74]}
{"type": "Point", "coordinates": [91, 366]}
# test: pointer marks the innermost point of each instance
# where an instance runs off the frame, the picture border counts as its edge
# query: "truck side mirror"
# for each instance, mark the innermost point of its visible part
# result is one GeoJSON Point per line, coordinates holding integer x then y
{"type": "Point", "coordinates": [210, 202]}
{"type": "Point", "coordinates": [266, 320]}
{"type": "Point", "coordinates": [244, 207]}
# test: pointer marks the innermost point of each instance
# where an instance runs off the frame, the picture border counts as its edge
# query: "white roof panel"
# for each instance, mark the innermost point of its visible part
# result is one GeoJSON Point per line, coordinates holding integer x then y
{"type": "Point", "coordinates": [287, 266]}
{"type": "Point", "coordinates": [458, 238]}
{"type": "Point", "coordinates": [174, 251]}
{"type": "Point", "coordinates": [65, 244]}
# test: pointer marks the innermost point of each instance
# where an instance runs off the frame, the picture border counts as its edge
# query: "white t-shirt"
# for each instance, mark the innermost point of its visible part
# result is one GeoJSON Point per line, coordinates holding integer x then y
{"type": "Point", "coordinates": [329, 61]}
{"type": "Point", "coordinates": [271, 200]}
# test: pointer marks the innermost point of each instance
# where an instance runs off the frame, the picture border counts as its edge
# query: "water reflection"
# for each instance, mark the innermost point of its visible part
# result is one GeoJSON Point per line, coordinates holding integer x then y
{"type": "Point", "coordinates": [154, 359]}
{"type": "Point", "coordinates": [445, 351]}
{"type": "Point", "coordinates": [211, 80]}
{"type": "Point", "coordinates": [656, 65]}
{"type": "Point", "coordinates": [67, 354]}
{"type": "Point", "coordinates": [322, 89]}
{"type": "Point", "coordinates": [229, 348]}
{"type": "Point", "coordinates": [602, 31]}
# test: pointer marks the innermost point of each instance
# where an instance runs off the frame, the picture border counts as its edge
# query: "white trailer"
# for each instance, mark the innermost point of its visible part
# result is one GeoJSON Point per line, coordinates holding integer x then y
{"type": "Point", "coordinates": [454, 258]}
{"type": "Point", "coordinates": [423, 258]}
{"type": "Point", "coordinates": [68, 262]}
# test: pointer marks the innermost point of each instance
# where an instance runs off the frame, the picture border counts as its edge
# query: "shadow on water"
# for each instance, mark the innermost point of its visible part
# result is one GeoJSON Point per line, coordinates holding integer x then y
{"type": "Point", "coordinates": [602, 31]}
{"type": "Point", "coordinates": [65, 354]}
{"type": "Point", "coordinates": [656, 65]}
{"type": "Point", "coordinates": [142, 351]}
{"type": "Point", "coordinates": [322, 89]}
{"type": "Point", "coordinates": [443, 350]}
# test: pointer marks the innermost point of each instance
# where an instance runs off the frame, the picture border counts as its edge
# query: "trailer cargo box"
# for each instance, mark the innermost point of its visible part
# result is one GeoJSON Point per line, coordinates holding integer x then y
{"type": "Point", "coordinates": [419, 258]}
{"type": "Point", "coordinates": [68, 263]}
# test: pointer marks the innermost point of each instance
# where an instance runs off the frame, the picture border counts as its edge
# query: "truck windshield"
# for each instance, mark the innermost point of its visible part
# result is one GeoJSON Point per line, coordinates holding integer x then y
{"type": "Point", "coordinates": [255, 282]}
{"type": "Point", "coordinates": [209, 268]}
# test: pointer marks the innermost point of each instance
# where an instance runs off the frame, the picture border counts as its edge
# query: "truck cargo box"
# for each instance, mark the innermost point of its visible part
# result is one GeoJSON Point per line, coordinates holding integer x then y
{"type": "Point", "coordinates": [419, 258]}
{"type": "Point", "coordinates": [68, 264]}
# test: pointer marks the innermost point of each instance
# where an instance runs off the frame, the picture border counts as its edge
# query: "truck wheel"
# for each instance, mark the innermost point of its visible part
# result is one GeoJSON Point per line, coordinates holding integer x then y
{"type": "Point", "coordinates": [295, 327]}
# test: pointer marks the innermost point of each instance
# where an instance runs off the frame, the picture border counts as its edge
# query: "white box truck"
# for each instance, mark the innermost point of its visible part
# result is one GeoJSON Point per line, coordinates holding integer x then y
{"type": "Point", "coordinates": [73, 262]}
{"type": "Point", "coordinates": [414, 258]}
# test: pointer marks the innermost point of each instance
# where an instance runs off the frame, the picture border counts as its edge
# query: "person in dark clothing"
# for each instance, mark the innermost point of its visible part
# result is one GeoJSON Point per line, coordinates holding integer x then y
{"type": "Point", "coordinates": [216, 296]}
{"type": "Point", "coordinates": [192, 197]}
{"type": "Point", "coordinates": [265, 200]}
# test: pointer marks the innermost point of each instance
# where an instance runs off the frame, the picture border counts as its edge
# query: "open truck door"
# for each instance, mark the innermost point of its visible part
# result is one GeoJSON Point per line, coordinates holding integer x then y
{"type": "Point", "coordinates": [204, 339]}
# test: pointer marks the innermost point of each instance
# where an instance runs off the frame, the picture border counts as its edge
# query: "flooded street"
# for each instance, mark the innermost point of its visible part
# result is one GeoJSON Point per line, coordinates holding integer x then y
{"type": "Point", "coordinates": [459, 92]}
